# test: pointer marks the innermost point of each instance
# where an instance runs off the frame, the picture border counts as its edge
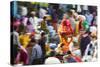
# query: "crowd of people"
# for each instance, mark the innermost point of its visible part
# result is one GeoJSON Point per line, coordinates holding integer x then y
{"type": "Point", "coordinates": [43, 38]}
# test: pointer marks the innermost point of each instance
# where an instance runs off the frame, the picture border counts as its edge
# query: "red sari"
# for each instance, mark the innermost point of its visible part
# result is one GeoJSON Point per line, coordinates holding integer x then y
{"type": "Point", "coordinates": [64, 31]}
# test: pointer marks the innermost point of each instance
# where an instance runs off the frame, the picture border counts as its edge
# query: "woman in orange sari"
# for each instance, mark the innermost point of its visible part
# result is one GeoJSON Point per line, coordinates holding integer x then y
{"type": "Point", "coordinates": [65, 31]}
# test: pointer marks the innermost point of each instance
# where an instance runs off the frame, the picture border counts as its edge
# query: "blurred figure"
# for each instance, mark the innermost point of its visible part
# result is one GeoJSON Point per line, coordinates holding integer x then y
{"type": "Point", "coordinates": [70, 14]}
{"type": "Point", "coordinates": [42, 43]}
{"type": "Point", "coordinates": [29, 27]}
{"type": "Point", "coordinates": [43, 25]}
{"type": "Point", "coordinates": [91, 49]}
{"type": "Point", "coordinates": [15, 45]}
{"type": "Point", "coordinates": [74, 48]}
{"type": "Point", "coordinates": [23, 13]}
{"type": "Point", "coordinates": [36, 53]}
{"type": "Point", "coordinates": [22, 56]}
{"type": "Point", "coordinates": [89, 17]}
{"type": "Point", "coordinates": [16, 22]}
{"type": "Point", "coordinates": [22, 27]}
{"type": "Point", "coordinates": [80, 23]}
{"type": "Point", "coordinates": [24, 39]}
{"type": "Point", "coordinates": [65, 31]}
{"type": "Point", "coordinates": [54, 19]}
{"type": "Point", "coordinates": [52, 59]}
{"type": "Point", "coordinates": [34, 20]}
{"type": "Point", "coordinates": [84, 41]}
{"type": "Point", "coordinates": [94, 20]}
{"type": "Point", "coordinates": [69, 58]}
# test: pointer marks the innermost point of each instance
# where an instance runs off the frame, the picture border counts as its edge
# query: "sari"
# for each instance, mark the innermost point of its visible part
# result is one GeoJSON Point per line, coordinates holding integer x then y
{"type": "Point", "coordinates": [65, 31]}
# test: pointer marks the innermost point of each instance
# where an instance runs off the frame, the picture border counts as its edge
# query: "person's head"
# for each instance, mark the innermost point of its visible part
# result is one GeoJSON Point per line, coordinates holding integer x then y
{"type": "Point", "coordinates": [68, 55]}
{"type": "Point", "coordinates": [62, 44]}
{"type": "Point", "coordinates": [44, 18]}
{"type": "Point", "coordinates": [33, 13]}
{"type": "Point", "coordinates": [33, 42]}
{"type": "Point", "coordinates": [93, 31]}
{"type": "Point", "coordinates": [68, 52]}
{"type": "Point", "coordinates": [70, 13]}
{"type": "Point", "coordinates": [43, 34]}
{"type": "Point", "coordinates": [52, 53]}
{"type": "Point", "coordinates": [64, 16]}
{"type": "Point", "coordinates": [75, 15]}
{"type": "Point", "coordinates": [15, 19]}
{"type": "Point", "coordinates": [22, 10]}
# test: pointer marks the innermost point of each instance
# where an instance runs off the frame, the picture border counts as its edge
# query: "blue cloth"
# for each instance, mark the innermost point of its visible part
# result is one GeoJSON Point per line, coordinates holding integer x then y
{"type": "Point", "coordinates": [36, 53]}
{"type": "Point", "coordinates": [71, 60]}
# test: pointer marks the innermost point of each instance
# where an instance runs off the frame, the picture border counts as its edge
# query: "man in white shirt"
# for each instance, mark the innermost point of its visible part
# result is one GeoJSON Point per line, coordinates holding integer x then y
{"type": "Point", "coordinates": [34, 20]}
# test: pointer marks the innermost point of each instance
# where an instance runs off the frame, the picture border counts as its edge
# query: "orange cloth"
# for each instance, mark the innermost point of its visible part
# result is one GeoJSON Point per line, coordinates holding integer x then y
{"type": "Point", "coordinates": [64, 30]}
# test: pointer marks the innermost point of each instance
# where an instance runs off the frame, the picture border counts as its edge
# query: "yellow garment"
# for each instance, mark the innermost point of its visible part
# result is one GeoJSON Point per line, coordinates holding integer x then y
{"type": "Point", "coordinates": [76, 27]}
{"type": "Point", "coordinates": [44, 26]}
{"type": "Point", "coordinates": [64, 39]}
{"type": "Point", "coordinates": [24, 40]}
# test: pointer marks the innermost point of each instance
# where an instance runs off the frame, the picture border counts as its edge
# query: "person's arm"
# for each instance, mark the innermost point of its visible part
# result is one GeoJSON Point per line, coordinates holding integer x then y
{"type": "Point", "coordinates": [86, 51]}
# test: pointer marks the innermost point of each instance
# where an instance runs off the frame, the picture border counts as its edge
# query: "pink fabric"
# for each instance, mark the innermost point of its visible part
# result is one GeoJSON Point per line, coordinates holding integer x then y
{"type": "Point", "coordinates": [22, 56]}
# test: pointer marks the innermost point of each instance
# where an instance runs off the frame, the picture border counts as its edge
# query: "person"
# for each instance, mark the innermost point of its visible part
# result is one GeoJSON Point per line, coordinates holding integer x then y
{"type": "Point", "coordinates": [84, 41]}
{"type": "Point", "coordinates": [22, 56]}
{"type": "Point", "coordinates": [42, 43]}
{"type": "Point", "coordinates": [24, 39]}
{"type": "Point", "coordinates": [22, 27]}
{"type": "Point", "coordinates": [71, 18]}
{"type": "Point", "coordinates": [80, 23]}
{"type": "Point", "coordinates": [29, 27]}
{"type": "Point", "coordinates": [74, 47]}
{"type": "Point", "coordinates": [15, 44]}
{"type": "Point", "coordinates": [89, 17]}
{"type": "Point", "coordinates": [36, 53]}
{"type": "Point", "coordinates": [51, 30]}
{"type": "Point", "coordinates": [69, 58]}
{"type": "Point", "coordinates": [43, 25]}
{"type": "Point", "coordinates": [94, 22]}
{"type": "Point", "coordinates": [65, 31]}
{"type": "Point", "coordinates": [54, 19]}
{"type": "Point", "coordinates": [23, 14]}
{"type": "Point", "coordinates": [16, 22]}
{"type": "Point", "coordinates": [52, 59]}
{"type": "Point", "coordinates": [34, 20]}
{"type": "Point", "coordinates": [91, 49]}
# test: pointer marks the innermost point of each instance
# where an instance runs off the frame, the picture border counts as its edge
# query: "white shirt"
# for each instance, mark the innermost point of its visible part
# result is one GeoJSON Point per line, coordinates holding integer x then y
{"type": "Point", "coordinates": [34, 21]}
{"type": "Point", "coordinates": [52, 60]}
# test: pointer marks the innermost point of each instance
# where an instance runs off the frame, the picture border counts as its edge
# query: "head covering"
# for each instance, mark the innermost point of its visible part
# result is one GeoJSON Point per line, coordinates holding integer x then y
{"type": "Point", "coordinates": [52, 60]}
{"type": "Point", "coordinates": [93, 29]}
{"type": "Point", "coordinates": [33, 13]}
